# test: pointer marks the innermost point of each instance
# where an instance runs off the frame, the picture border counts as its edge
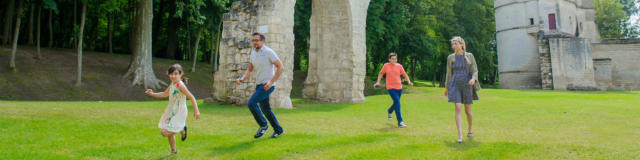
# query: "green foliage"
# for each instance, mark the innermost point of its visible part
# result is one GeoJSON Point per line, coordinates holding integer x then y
{"type": "Point", "coordinates": [51, 5]}
{"type": "Point", "coordinates": [190, 9]}
{"type": "Point", "coordinates": [610, 17]}
{"type": "Point", "coordinates": [419, 32]}
{"type": "Point", "coordinates": [301, 31]}
{"type": "Point", "coordinates": [631, 7]}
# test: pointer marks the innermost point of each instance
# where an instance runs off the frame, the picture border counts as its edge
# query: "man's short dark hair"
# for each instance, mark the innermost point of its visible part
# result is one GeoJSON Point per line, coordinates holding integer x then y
{"type": "Point", "coordinates": [259, 34]}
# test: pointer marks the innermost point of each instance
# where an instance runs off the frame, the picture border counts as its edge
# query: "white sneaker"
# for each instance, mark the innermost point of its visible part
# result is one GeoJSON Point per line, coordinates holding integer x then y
{"type": "Point", "coordinates": [402, 125]}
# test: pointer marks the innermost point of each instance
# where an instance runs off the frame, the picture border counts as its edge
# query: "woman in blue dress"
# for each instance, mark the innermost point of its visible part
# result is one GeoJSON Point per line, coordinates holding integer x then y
{"type": "Point", "coordinates": [461, 83]}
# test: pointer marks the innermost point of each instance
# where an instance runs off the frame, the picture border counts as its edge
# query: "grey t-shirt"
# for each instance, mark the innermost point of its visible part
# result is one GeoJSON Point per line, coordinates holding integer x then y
{"type": "Point", "coordinates": [262, 61]}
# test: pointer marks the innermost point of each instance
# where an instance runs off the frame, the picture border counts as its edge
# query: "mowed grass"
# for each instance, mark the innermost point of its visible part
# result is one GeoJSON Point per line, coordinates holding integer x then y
{"type": "Point", "coordinates": [509, 124]}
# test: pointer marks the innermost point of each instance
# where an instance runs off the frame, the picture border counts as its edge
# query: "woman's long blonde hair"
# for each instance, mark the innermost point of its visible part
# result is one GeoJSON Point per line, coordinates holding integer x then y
{"type": "Point", "coordinates": [464, 46]}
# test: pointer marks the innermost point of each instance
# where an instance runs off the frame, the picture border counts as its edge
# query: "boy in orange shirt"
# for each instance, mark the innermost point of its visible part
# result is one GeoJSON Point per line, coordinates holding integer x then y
{"type": "Point", "coordinates": [394, 70]}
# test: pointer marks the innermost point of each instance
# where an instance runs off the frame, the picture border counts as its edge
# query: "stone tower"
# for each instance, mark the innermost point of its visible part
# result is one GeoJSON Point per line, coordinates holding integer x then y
{"type": "Point", "coordinates": [521, 25]}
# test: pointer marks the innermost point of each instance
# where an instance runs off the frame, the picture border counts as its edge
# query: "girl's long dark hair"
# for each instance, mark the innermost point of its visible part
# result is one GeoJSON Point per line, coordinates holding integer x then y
{"type": "Point", "coordinates": [178, 67]}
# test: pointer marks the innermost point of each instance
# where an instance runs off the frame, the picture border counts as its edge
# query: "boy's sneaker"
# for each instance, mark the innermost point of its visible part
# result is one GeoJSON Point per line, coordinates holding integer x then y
{"type": "Point", "coordinates": [276, 134]}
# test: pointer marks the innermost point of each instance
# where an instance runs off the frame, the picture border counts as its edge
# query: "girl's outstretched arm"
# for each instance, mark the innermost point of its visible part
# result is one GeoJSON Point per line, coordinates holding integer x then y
{"type": "Point", "coordinates": [164, 94]}
{"type": "Point", "coordinates": [183, 89]}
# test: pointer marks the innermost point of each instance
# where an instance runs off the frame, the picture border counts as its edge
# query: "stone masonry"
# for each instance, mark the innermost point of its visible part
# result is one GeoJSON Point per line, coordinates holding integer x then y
{"type": "Point", "coordinates": [274, 18]}
{"type": "Point", "coordinates": [337, 56]}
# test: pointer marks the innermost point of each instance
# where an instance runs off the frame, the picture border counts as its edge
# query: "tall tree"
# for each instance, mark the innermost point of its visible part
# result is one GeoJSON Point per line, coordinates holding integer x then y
{"type": "Point", "coordinates": [8, 20]}
{"type": "Point", "coordinates": [172, 31]}
{"type": "Point", "coordinates": [50, 45]}
{"type": "Point", "coordinates": [195, 49]}
{"type": "Point", "coordinates": [141, 69]}
{"type": "Point", "coordinates": [52, 6]}
{"type": "Point", "coordinates": [39, 56]}
{"type": "Point", "coordinates": [110, 32]}
{"type": "Point", "coordinates": [631, 8]}
{"type": "Point", "coordinates": [111, 7]}
{"type": "Point", "coordinates": [16, 32]}
{"type": "Point", "coordinates": [79, 46]}
{"type": "Point", "coordinates": [610, 17]}
{"type": "Point", "coordinates": [301, 33]}
{"type": "Point", "coordinates": [31, 11]}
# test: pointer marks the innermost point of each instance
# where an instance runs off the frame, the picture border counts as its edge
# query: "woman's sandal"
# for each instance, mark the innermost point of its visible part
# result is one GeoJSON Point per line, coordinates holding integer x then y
{"type": "Point", "coordinates": [184, 136]}
{"type": "Point", "coordinates": [470, 135]}
{"type": "Point", "coordinates": [459, 140]}
{"type": "Point", "coordinates": [172, 153]}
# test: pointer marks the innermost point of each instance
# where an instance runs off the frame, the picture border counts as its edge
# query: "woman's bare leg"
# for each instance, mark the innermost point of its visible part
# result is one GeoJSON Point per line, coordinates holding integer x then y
{"type": "Point", "coordinates": [467, 109]}
{"type": "Point", "coordinates": [458, 121]}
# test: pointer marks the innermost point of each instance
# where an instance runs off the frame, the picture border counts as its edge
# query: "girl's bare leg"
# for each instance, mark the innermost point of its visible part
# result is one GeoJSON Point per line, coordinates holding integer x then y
{"type": "Point", "coordinates": [172, 141]}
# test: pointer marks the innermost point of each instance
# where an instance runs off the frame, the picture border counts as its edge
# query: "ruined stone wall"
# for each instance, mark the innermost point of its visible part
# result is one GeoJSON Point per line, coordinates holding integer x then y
{"type": "Point", "coordinates": [624, 57]}
{"type": "Point", "coordinates": [274, 18]}
{"type": "Point", "coordinates": [546, 72]}
{"type": "Point", "coordinates": [572, 64]}
{"type": "Point", "coordinates": [337, 55]}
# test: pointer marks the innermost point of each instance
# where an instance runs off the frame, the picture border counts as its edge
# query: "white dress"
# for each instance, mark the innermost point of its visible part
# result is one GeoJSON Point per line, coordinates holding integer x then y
{"type": "Point", "coordinates": [175, 115]}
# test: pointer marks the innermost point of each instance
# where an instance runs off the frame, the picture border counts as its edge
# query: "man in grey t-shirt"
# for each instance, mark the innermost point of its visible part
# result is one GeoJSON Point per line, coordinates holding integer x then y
{"type": "Point", "coordinates": [263, 60]}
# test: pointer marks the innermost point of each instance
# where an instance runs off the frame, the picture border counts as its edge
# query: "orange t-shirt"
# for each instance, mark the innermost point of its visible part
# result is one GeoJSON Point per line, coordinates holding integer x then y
{"type": "Point", "coordinates": [394, 72]}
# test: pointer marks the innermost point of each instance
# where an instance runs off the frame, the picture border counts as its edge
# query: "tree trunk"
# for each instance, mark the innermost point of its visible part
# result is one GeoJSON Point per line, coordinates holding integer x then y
{"type": "Point", "coordinates": [79, 47]}
{"type": "Point", "coordinates": [433, 83]}
{"type": "Point", "coordinates": [38, 32]}
{"type": "Point", "coordinates": [50, 28]}
{"type": "Point", "coordinates": [131, 18]}
{"type": "Point", "coordinates": [75, 34]}
{"type": "Point", "coordinates": [413, 69]}
{"type": "Point", "coordinates": [442, 80]}
{"type": "Point", "coordinates": [215, 62]}
{"type": "Point", "coordinates": [109, 32]}
{"type": "Point", "coordinates": [172, 27]}
{"type": "Point", "coordinates": [156, 30]}
{"type": "Point", "coordinates": [195, 49]}
{"type": "Point", "coordinates": [95, 30]}
{"type": "Point", "coordinates": [8, 20]}
{"type": "Point", "coordinates": [16, 32]}
{"type": "Point", "coordinates": [211, 43]}
{"type": "Point", "coordinates": [188, 46]}
{"type": "Point", "coordinates": [141, 68]}
{"type": "Point", "coordinates": [211, 58]}
{"type": "Point", "coordinates": [31, 23]}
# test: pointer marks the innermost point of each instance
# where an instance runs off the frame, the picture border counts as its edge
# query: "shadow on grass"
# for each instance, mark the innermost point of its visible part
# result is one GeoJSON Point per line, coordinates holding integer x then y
{"type": "Point", "coordinates": [301, 143]}
{"type": "Point", "coordinates": [240, 146]}
{"type": "Point", "coordinates": [388, 128]}
{"type": "Point", "coordinates": [494, 150]}
{"type": "Point", "coordinates": [175, 156]}
{"type": "Point", "coordinates": [465, 145]}
{"type": "Point", "coordinates": [318, 107]}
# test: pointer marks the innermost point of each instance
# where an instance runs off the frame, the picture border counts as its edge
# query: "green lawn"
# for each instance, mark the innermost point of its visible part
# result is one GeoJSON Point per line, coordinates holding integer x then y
{"type": "Point", "coordinates": [509, 124]}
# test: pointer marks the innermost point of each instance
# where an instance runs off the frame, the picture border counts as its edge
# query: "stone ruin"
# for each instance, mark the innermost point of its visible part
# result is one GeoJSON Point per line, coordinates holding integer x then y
{"type": "Point", "coordinates": [337, 55]}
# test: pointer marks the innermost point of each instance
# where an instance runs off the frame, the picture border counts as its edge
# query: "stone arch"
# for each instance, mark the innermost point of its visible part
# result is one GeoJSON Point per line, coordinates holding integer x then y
{"type": "Point", "coordinates": [336, 58]}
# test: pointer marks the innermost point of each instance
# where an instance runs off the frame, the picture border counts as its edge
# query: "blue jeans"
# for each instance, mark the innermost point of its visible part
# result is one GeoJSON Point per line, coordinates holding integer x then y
{"type": "Point", "coordinates": [261, 96]}
{"type": "Point", "coordinates": [395, 95]}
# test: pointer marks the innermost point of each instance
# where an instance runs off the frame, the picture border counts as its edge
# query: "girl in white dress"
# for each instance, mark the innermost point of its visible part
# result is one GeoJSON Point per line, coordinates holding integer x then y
{"type": "Point", "coordinates": [175, 115]}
